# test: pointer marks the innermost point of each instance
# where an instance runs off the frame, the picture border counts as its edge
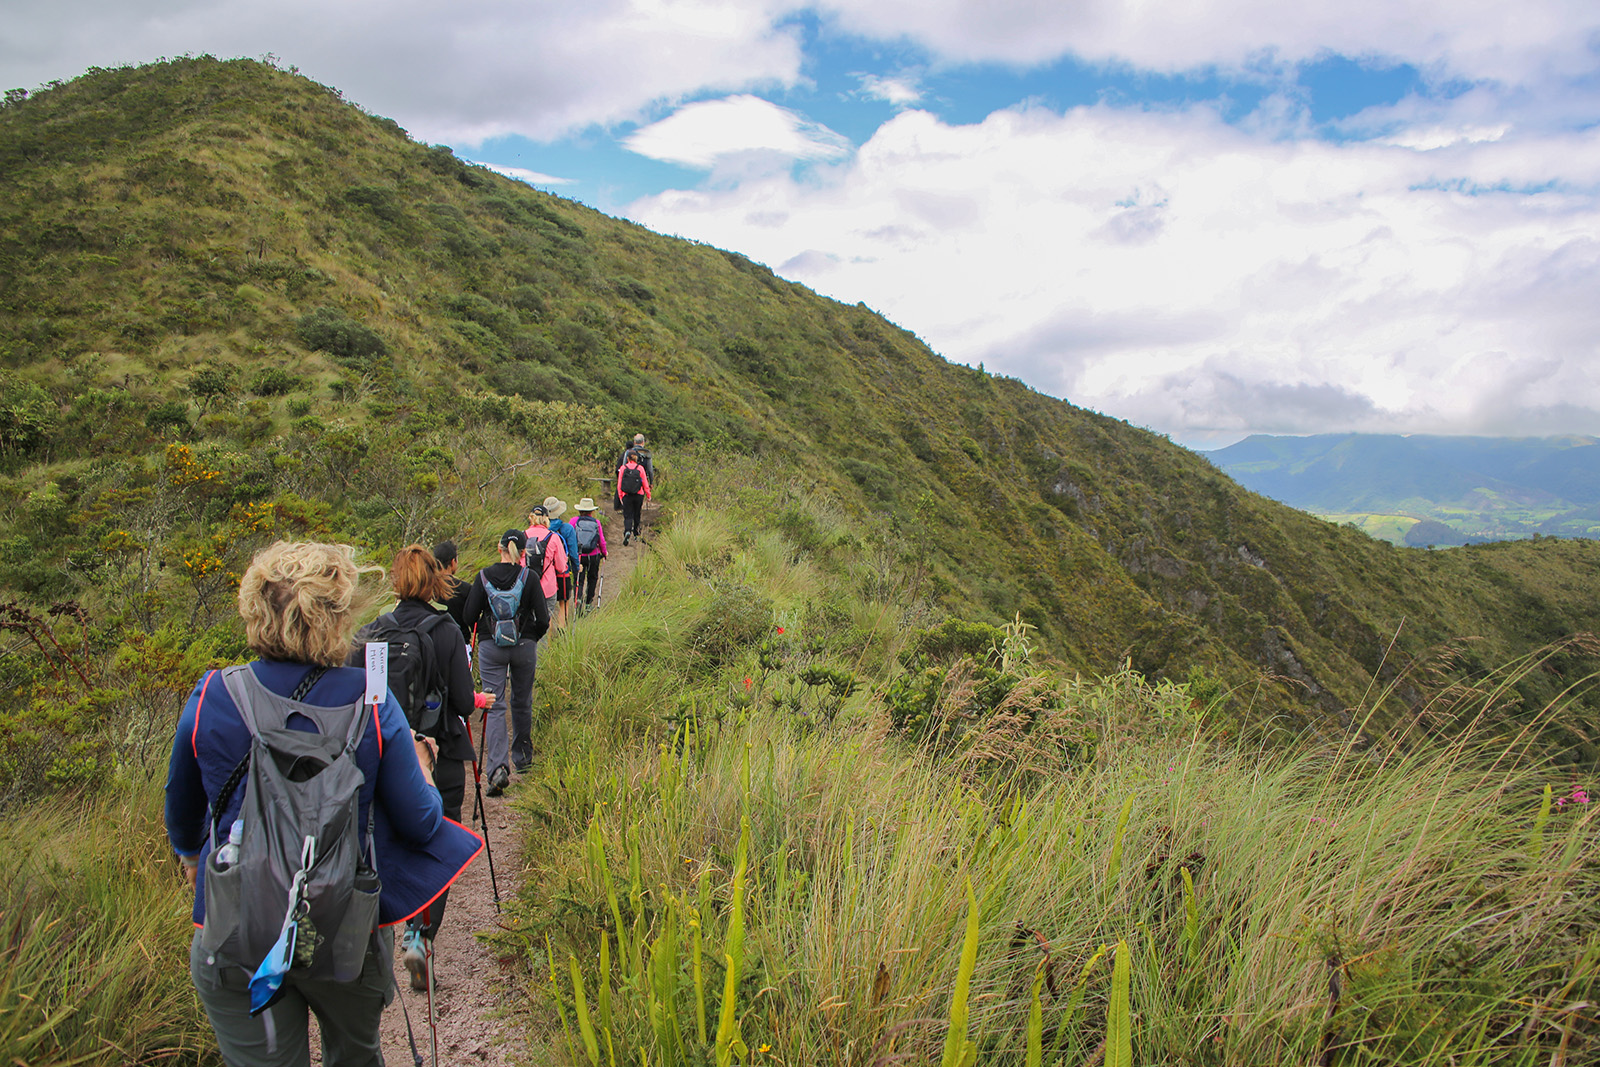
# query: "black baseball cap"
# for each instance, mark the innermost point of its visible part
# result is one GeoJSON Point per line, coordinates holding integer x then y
{"type": "Point", "coordinates": [514, 537]}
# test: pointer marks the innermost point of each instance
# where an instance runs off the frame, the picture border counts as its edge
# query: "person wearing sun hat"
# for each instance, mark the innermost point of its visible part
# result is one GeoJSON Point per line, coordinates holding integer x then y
{"type": "Point", "coordinates": [556, 508]}
{"type": "Point", "coordinates": [591, 540]}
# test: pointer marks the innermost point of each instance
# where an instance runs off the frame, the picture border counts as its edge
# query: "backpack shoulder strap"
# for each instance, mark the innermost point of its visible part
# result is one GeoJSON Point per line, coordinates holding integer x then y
{"type": "Point", "coordinates": [246, 690]}
{"type": "Point", "coordinates": [426, 625]}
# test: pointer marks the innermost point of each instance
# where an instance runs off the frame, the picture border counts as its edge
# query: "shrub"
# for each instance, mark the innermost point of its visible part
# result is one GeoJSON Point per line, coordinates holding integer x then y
{"type": "Point", "coordinates": [330, 330]}
{"type": "Point", "coordinates": [529, 301]}
{"type": "Point", "coordinates": [475, 309]}
{"type": "Point", "coordinates": [737, 618]}
{"type": "Point", "coordinates": [951, 640]}
{"type": "Point", "coordinates": [173, 415]}
{"type": "Point", "coordinates": [273, 381]}
{"type": "Point", "coordinates": [27, 416]}
{"type": "Point", "coordinates": [378, 199]}
{"type": "Point", "coordinates": [210, 381]}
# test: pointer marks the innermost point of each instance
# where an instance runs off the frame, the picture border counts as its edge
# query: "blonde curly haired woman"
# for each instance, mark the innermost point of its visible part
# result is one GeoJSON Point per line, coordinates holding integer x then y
{"type": "Point", "coordinates": [298, 602]}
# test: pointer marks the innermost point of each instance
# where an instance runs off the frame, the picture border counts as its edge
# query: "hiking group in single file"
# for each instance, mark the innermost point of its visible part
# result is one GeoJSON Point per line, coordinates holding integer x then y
{"type": "Point", "coordinates": [307, 826]}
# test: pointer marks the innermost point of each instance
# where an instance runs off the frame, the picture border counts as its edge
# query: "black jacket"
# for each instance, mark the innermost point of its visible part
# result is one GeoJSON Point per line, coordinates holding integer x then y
{"type": "Point", "coordinates": [449, 663]}
{"type": "Point", "coordinates": [457, 602]}
{"type": "Point", "coordinates": [643, 455]}
{"type": "Point", "coordinates": [533, 614]}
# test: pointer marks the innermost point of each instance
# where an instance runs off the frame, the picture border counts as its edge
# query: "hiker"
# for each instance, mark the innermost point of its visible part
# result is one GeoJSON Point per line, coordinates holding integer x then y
{"type": "Point", "coordinates": [456, 602]}
{"type": "Point", "coordinates": [418, 579]}
{"type": "Point", "coordinates": [296, 603]}
{"type": "Point", "coordinates": [640, 453]}
{"type": "Point", "coordinates": [591, 539]}
{"type": "Point", "coordinates": [554, 551]}
{"type": "Point", "coordinates": [633, 488]}
{"type": "Point", "coordinates": [555, 508]}
{"type": "Point", "coordinates": [508, 623]}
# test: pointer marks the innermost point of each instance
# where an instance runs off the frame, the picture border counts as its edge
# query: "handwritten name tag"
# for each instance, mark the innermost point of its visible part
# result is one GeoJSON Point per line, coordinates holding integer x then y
{"type": "Point", "coordinates": [377, 671]}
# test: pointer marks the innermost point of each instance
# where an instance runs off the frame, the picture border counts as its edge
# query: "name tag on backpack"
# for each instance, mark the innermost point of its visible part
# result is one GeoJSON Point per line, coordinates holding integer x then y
{"type": "Point", "coordinates": [377, 671]}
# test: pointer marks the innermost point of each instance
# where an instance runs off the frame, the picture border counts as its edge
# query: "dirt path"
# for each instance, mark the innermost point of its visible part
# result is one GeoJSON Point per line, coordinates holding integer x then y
{"type": "Point", "coordinates": [475, 997]}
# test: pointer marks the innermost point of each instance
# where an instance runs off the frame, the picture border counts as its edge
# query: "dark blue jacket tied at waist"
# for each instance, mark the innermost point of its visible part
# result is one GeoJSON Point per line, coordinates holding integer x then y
{"type": "Point", "coordinates": [418, 851]}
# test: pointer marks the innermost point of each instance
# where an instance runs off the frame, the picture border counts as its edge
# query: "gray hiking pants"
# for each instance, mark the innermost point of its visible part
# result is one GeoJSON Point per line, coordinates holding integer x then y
{"type": "Point", "coordinates": [347, 1012]}
{"type": "Point", "coordinates": [497, 666]}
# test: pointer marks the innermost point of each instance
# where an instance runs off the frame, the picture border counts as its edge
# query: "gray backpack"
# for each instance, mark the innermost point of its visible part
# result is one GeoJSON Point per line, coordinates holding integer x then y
{"type": "Point", "coordinates": [301, 860]}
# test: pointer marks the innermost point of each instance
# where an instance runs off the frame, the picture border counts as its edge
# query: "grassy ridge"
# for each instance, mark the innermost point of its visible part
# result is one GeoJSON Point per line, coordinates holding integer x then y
{"type": "Point", "coordinates": [359, 336]}
{"type": "Point", "coordinates": [1393, 904]}
{"type": "Point", "coordinates": [743, 696]}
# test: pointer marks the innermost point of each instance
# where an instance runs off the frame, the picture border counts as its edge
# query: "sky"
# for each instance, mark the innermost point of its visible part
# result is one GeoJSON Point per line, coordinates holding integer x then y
{"type": "Point", "coordinates": [1210, 218]}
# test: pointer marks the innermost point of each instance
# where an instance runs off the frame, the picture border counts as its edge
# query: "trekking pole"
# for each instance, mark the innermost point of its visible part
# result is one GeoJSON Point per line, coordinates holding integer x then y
{"type": "Point", "coordinates": [416, 1057]}
{"type": "Point", "coordinates": [477, 787]}
{"type": "Point", "coordinates": [599, 589]}
{"type": "Point", "coordinates": [433, 1024]}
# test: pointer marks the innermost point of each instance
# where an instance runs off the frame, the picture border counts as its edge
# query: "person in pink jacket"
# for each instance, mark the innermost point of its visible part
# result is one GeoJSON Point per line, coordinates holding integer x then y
{"type": "Point", "coordinates": [555, 554]}
{"type": "Point", "coordinates": [633, 486]}
{"type": "Point", "coordinates": [591, 550]}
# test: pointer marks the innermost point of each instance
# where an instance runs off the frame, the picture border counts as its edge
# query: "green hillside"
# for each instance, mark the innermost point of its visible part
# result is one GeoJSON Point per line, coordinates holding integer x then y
{"type": "Point", "coordinates": [234, 306]}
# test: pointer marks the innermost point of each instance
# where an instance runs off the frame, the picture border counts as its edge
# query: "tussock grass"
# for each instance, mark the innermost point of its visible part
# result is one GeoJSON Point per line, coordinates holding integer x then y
{"type": "Point", "coordinates": [1415, 882]}
{"type": "Point", "coordinates": [94, 937]}
{"type": "Point", "coordinates": [1398, 900]}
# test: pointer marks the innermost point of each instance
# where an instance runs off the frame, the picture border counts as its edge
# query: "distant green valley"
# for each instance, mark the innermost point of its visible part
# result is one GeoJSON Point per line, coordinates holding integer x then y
{"type": "Point", "coordinates": [1429, 491]}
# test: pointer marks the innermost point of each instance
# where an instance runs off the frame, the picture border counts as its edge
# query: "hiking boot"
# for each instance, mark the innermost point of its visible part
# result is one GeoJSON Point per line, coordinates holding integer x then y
{"type": "Point", "coordinates": [626, 538]}
{"type": "Point", "coordinates": [418, 950]}
{"type": "Point", "coordinates": [499, 778]}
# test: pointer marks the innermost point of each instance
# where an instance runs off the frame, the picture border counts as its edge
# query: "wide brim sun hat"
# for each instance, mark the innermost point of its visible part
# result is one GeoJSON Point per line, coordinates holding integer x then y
{"type": "Point", "coordinates": [586, 504]}
{"type": "Point", "coordinates": [555, 507]}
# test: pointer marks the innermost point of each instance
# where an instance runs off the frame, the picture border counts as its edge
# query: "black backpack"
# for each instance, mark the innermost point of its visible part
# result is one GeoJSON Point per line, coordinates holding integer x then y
{"type": "Point", "coordinates": [633, 478]}
{"type": "Point", "coordinates": [588, 531]}
{"type": "Point", "coordinates": [412, 675]}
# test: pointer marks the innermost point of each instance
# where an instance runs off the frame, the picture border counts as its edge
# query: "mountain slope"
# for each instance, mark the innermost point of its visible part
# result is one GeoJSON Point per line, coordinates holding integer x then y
{"type": "Point", "coordinates": [233, 306]}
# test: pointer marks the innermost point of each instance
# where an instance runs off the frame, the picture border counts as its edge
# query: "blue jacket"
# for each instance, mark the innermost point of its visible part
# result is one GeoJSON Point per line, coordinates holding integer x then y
{"type": "Point", "coordinates": [419, 852]}
{"type": "Point", "coordinates": [569, 537]}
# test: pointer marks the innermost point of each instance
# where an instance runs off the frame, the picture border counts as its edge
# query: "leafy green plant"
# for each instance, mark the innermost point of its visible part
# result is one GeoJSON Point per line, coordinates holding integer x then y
{"type": "Point", "coordinates": [330, 330]}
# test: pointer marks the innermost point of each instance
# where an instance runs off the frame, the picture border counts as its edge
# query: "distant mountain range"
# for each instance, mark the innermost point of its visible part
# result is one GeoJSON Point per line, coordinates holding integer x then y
{"type": "Point", "coordinates": [1425, 490]}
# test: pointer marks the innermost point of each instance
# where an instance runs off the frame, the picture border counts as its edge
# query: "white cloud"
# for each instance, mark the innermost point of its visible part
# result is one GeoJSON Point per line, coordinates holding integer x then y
{"type": "Point", "coordinates": [448, 72]}
{"type": "Point", "coordinates": [1183, 273]}
{"type": "Point", "coordinates": [1466, 38]}
{"type": "Point", "coordinates": [1425, 138]}
{"type": "Point", "coordinates": [704, 133]}
{"type": "Point", "coordinates": [900, 90]}
{"type": "Point", "coordinates": [545, 68]}
{"type": "Point", "coordinates": [521, 174]}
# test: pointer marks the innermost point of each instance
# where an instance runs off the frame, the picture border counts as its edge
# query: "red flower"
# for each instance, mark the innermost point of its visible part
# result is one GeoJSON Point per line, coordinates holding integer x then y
{"type": "Point", "coordinates": [747, 683]}
{"type": "Point", "coordinates": [780, 629]}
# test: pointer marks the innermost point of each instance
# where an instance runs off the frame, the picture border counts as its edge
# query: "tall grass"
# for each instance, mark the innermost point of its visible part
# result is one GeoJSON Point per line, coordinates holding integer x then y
{"type": "Point", "coordinates": [94, 936]}
{"type": "Point", "coordinates": [1175, 898]}
{"type": "Point", "coordinates": [1417, 882]}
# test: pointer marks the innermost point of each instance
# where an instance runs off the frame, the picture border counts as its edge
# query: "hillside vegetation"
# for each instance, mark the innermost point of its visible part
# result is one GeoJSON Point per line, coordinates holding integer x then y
{"type": "Point", "coordinates": [235, 307]}
{"type": "Point", "coordinates": [779, 815]}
